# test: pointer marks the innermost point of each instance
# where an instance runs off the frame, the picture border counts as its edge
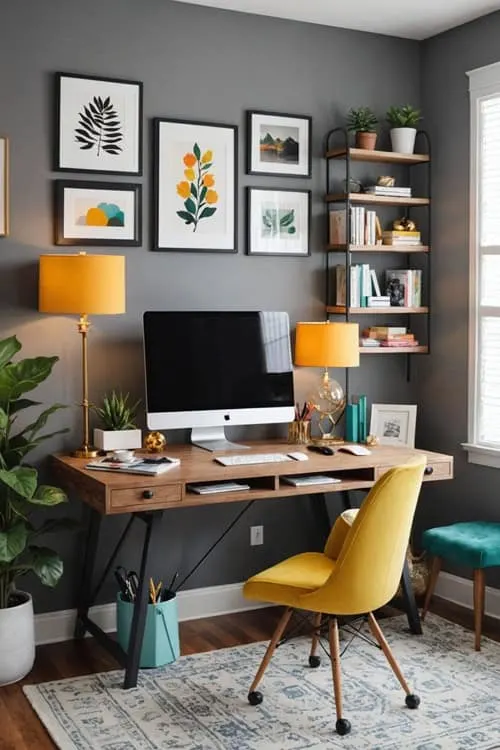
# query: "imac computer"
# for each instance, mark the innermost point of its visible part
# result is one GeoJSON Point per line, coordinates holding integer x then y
{"type": "Point", "coordinates": [206, 370]}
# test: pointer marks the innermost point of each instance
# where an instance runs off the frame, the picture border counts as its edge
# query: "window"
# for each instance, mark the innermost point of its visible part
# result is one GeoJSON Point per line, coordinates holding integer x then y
{"type": "Point", "coordinates": [484, 340]}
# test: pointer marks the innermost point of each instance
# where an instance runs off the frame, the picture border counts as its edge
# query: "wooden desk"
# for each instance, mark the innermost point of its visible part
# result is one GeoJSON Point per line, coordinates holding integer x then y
{"type": "Point", "coordinates": [146, 498]}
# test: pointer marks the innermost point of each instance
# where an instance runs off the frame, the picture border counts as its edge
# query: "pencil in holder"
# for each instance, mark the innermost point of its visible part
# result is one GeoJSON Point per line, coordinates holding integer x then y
{"type": "Point", "coordinates": [299, 432]}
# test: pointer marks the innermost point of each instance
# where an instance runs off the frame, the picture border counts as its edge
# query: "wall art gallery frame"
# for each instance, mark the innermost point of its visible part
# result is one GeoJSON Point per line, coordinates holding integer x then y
{"type": "Point", "coordinates": [279, 144]}
{"type": "Point", "coordinates": [394, 424]}
{"type": "Point", "coordinates": [278, 222]}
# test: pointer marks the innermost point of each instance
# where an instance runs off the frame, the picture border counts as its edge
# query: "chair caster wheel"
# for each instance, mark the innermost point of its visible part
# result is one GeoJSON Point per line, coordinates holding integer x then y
{"type": "Point", "coordinates": [412, 701]}
{"type": "Point", "coordinates": [255, 698]}
{"type": "Point", "coordinates": [342, 726]}
{"type": "Point", "coordinates": [314, 661]}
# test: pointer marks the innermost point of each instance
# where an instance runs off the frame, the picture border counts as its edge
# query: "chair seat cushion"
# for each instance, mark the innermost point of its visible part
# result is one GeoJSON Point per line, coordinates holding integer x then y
{"type": "Point", "coordinates": [475, 544]}
{"type": "Point", "coordinates": [287, 581]}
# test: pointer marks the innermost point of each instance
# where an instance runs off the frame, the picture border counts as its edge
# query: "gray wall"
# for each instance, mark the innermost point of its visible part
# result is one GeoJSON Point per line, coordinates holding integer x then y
{"type": "Point", "coordinates": [442, 378]}
{"type": "Point", "coordinates": [200, 64]}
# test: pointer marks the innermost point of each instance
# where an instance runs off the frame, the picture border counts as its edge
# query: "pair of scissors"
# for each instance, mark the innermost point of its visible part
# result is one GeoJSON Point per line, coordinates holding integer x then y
{"type": "Point", "coordinates": [128, 583]}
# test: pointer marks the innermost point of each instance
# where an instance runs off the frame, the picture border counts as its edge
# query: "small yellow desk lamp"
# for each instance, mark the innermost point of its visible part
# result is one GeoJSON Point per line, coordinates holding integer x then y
{"type": "Point", "coordinates": [82, 284]}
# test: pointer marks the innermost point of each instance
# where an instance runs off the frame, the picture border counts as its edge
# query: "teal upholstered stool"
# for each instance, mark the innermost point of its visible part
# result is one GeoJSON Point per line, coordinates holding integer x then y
{"type": "Point", "coordinates": [475, 544]}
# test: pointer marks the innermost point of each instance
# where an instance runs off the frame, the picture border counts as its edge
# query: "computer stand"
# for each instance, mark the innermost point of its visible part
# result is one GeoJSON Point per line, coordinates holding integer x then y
{"type": "Point", "coordinates": [214, 439]}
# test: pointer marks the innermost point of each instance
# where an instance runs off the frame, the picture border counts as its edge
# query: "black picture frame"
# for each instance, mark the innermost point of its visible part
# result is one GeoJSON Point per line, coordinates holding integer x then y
{"type": "Point", "coordinates": [297, 126]}
{"type": "Point", "coordinates": [93, 238]}
{"type": "Point", "coordinates": [253, 199]}
{"type": "Point", "coordinates": [74, 125]}
{"type": "Point", "coordinates": [172, 228]}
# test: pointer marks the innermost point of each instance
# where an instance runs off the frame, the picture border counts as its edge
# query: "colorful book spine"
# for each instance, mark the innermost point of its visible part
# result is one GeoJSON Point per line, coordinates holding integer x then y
{"type": "Point", "coordinates": [351, 423]}
{"type": "Point", "coordinates": [362, 429]}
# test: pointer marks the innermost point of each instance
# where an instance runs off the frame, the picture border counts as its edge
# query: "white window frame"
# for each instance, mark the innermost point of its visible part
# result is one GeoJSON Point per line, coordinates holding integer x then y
{"type": "Point", "coordinates": [483, 83]}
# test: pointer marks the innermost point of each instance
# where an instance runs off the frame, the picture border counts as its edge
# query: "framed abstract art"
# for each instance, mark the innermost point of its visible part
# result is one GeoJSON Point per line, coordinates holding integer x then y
{"type": "Point", "coordinates": [98, 125]}
{"type": "Point", "coordinates": [278, 221]}
{"type": "Point", "coordinates": [195, 206]}
{"type": "Point", "coordinates": [97, 213]}
{"type": "Point", "coordinates": [278, 144]}
{"type": "Point", "coordinates": [394, 424]}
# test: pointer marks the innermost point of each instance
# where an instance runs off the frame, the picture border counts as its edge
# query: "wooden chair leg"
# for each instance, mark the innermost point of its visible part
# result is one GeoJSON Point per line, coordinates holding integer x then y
{"type": "Point", "coordinates": [342, 726]}
{"type": "Point", "coordinates": [314, 661]}
{"type": "Point", "coordinates": [435, 568]}
{"type": "Point", "coordinates": [412, 700]}
{"type": "Point", "coordinates": [478, 606]}
{"type": "Point", "coordinates": [255, 697]}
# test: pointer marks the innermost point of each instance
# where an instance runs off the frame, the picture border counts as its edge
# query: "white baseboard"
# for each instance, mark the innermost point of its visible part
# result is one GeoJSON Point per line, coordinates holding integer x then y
{"type": "Point", "coordinates": [460, 591]}
{"type": "Point", "coordinates": [53, 627]}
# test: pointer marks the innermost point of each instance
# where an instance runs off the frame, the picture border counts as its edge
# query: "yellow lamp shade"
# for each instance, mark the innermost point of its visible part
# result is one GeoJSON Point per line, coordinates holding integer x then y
{"type": "Point", "coordinates": [82, 284]}
{"type": "Point", "coordinates": [327, 344]}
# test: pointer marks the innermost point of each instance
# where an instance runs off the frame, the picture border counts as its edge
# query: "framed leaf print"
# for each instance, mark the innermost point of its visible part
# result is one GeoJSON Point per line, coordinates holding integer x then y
{"type": "Point", "coordinates": [99, 125]}
{"type": "Point", "coordinates": [278, 221]}
{"type": "Point", "coordinates": [97, 213]}
{"type": "Point", "coordinates": [195, 186]}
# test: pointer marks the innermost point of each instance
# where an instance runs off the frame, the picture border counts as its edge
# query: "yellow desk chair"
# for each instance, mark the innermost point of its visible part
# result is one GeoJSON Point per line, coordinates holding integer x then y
{"type": "Point", "coordinates": [358, 572]}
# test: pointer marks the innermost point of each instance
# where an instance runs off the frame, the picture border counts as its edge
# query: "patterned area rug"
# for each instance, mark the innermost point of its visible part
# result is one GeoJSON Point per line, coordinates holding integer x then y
{"type": "Point", "coordinates": [199, 703]}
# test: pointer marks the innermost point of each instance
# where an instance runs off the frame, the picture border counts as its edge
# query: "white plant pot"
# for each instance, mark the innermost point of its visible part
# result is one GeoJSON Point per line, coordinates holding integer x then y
{"type": "Point", "coordinates": [115, 440]}
{"type": "Point", "coordinates": [403, 140]}
{"type": "Point", "coordinates": [17, 640]}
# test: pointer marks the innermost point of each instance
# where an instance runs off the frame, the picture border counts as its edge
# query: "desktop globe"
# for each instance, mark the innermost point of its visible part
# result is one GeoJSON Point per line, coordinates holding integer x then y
{"type": "Point", "coordinates": [155, 442]}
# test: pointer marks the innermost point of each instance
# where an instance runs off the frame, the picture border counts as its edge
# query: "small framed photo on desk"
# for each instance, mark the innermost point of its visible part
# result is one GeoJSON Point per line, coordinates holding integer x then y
{"type": "Point", "coordinates": [394, 424]}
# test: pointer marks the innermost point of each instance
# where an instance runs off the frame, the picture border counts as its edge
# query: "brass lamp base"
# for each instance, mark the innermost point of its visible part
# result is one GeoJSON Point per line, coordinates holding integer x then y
{"type": "Point", "coordinates": [324, 440]}
{"type": "Point", "coordinates": [86, 452]}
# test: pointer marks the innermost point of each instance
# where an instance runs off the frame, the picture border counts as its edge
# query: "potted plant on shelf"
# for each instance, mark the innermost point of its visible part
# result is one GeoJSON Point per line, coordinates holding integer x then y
{"type": "Point", "coordinates": [20, 495]}
{"type": "Point", "coordinates": [363, 122]}
{"type": "Point", "coordinates": [403, 121]}
{"type": "Point", "coordinates": [118, 418]}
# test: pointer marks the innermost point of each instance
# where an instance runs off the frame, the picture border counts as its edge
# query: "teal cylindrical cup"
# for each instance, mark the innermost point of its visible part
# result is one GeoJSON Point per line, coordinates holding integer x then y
{"type": "Point", "coordinates": [160, 644]}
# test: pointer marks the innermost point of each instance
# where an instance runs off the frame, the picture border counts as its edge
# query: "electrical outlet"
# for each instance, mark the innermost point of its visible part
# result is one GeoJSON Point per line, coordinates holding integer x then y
{"type": "Point", "coordinates": [256, 535]}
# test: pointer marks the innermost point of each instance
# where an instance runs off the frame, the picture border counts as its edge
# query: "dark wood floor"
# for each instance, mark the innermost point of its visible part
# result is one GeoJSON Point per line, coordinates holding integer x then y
{"type": "Point", "coordinates": [20, 728]}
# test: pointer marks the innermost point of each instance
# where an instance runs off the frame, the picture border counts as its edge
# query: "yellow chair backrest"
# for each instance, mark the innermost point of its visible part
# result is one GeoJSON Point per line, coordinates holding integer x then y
{"type": "Point", "coordinates": [371, 559]}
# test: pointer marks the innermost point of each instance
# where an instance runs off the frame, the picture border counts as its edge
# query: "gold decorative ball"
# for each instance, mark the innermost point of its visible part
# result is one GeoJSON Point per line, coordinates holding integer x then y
{"type": "Point", "coordinates": [155, 442]}
{"type": "Point", "coordinates": [386, 180]}
{"type": "Point", "coordinates": [372, 440]}
{"type": "Point", "coordinates": [404, 225]}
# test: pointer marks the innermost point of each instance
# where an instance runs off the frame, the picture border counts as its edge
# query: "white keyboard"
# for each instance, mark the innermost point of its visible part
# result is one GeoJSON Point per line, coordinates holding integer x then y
{"type": "Point", "coordinates": [252, 458]}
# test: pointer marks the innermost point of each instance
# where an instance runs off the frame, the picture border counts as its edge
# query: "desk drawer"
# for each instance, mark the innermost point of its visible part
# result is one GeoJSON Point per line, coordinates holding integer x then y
{"type": "Point", "coordinates": [434, 470]}
{"type": "Point", "coordinates": [145, 497]}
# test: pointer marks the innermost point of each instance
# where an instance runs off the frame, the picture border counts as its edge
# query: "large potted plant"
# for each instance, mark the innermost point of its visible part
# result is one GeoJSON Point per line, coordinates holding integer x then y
{"type": "Point", "coordinates": [118, 418]}
{"type": "Point", "coordinates": [363, 122]}
{"type": "Point", "coordinates": [403, 121]}
{"type": "Point", "coordinates": [20, 495]}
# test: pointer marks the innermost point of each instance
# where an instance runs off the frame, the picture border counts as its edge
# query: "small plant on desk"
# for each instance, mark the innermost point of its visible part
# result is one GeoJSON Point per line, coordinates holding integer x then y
{"type": "Point", "coordinates": [118, 417]}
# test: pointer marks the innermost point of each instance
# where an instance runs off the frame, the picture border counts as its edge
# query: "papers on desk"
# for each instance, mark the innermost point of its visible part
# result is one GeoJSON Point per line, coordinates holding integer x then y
{"type": "Point", "coordinates": [310, 479]}
{"type": "Point", "coordinates": [136, 466]}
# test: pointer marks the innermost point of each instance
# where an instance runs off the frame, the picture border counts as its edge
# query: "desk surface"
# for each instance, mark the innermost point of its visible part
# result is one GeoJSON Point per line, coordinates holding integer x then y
{"type": "Point", "coordinates": [113, 492]}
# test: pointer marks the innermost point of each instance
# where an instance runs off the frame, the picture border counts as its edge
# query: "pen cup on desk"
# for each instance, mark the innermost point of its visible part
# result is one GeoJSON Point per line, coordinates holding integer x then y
{"type": "Point", "coordinates": [299, 431]}
{"type": "Point", "coordinates": [161, 633]}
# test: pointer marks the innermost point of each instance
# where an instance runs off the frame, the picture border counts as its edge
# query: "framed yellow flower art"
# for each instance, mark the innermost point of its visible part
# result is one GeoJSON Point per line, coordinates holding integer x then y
{"type": "Point", "coordinates": [195, 186]}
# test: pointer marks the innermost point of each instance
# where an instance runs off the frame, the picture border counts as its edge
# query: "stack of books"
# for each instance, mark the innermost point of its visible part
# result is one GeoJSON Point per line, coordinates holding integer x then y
{"type": "Point", "coordinates": [390, 336]}
{"type": "Point", "coordinates": [364, 289]}
{"type": "Point", "coordinates": [389, 192]}
{"type": "Point", "coordinates": [399, 237]}
{"type": "Point", "coordinates": [404, 287]}
{"type": "Point", "coordinates": [364, 228]}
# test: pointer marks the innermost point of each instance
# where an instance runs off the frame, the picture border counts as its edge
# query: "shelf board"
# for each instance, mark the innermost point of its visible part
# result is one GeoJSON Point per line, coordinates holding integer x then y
{"type": "Point", "coordinates": [394, 350]}
{"type": "Point", "coordinates": [379, 248]}
{"type": "Point", "coordinates": [377, 200]}
{"type": "Point", "coordinates": [340, 310]}
{"type": "Point", "coordinates": [387, 157]}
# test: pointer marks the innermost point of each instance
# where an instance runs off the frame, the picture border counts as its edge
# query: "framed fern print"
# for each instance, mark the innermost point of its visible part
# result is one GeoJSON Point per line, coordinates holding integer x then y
{"type": "Point", "coordinates": [99, 125]}
{"type": "Point", "coordinates": [278, 221]}
{"type": "Point", "coordinates": [195, 186]}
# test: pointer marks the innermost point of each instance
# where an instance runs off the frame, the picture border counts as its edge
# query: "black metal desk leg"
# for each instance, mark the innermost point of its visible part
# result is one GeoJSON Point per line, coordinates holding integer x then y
{"type": "Point", "coordinates": [411, 604]}
{"type": "Point", "coordinates": [85, 590]}
{"type": "Point", "coordinates": [153, 522]}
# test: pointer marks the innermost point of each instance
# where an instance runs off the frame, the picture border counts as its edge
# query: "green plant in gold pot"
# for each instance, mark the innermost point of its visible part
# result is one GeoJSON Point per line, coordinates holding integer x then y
{"type": "Point", "coordinates": [21, 495]}
{"type": "Point", "coordinates": [363, 122]}
{"type": "Point", "coordinates": [118, 417]}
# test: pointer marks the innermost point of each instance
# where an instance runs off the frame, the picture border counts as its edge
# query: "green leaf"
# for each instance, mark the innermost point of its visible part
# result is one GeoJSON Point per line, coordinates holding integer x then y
{"type": "Point", "coordinates": [21, 479]}
{"type": "Point", "coordinates": [206, 166]}
{"type": "Point", "coordinates": [46, 495]}
{"type": "Point", "coordinates": [55, 525]}
{"type": "Point", "coordinates": [194, 191]}
{"type": "Point", "coordinates": [291, 230]}
{"type": "Point", "coordinates": [20, 377]}
{"type": "Point", "coordinates": [208, 211]}
{"type": "Point", "coordinates": [45, 563]}
{"type": "Point", "coordinates": [188, 218]}
{"type": "Point", "coordinates": [190, 206]}
{"type": "Point", "coordinates": [41, 420]}
{"type": "Point", "coordinates": [8, 347]}
{"type": "Point", "coordinates": [203, 193]}
{"type": "Point", "coordinates": [13, 542]}
{"type": "Point", "coordinates": [22, 403]}
{"type": "Point", "coordinates": [19, 446]}
{"type": "Point", "coordinates": [196, 151]}
{"type": "Point", "coordinates": [4, 420]}
{"type": "Point", "coordinates": [288, 218]}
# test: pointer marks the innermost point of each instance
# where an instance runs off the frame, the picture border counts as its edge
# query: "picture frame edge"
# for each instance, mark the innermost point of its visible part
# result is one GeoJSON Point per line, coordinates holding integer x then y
{"type": "Point", "coordinates": [250, 171]}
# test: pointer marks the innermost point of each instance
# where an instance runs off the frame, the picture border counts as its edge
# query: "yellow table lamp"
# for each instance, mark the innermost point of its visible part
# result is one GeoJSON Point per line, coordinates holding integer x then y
{"type": "Point", "coordinates": [82, 285]}
{"type": "Point", "coordinates": [326, 344]}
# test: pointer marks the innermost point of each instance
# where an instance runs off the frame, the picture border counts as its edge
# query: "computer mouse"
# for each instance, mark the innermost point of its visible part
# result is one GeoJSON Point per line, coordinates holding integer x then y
{"type": "Point", "coordinates": [324, 449]}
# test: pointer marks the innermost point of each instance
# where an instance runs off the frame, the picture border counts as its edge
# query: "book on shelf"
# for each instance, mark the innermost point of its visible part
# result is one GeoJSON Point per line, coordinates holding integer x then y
{"type": "Point", "coordinates": [404, 286]}
{"type": "Point", "coordinates": [147, 466]}
{"type": "Point", "coordinates": [380, 301]}
{"type": "Point", "coordinates": [392, 237]}
{"type": "Point", "coordinates": [364, 289]}
{"type": "Point", "coordinates": [384, 336]}
{"type": "Point", "coordinates": [381, 332]}
{"type": "Point", "coordinates": [395, 192]}
{"type": "Point", "coordinates": [363, 228]}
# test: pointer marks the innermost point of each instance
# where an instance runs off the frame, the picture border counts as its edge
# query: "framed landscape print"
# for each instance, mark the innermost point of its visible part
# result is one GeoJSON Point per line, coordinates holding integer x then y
{"type": "Point", "coordinates": [394, 424]}
{"type": "Point", "coordinates": [278, 144]}
{"type": "Point", "coordinates": [278, 221]}
{"type": "Point", "coordinates": [98, 125]}
{"type": "Point", "coordinates": [195, 186]}
{"type": "Point", "coordinates": [4, 186]}
{"type": "Point", "coordinates": [97, 213]}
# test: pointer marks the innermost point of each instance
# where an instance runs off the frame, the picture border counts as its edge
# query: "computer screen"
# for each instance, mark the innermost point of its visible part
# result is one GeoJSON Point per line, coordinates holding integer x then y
{"type": "Point", "coordinates": [205, 370]}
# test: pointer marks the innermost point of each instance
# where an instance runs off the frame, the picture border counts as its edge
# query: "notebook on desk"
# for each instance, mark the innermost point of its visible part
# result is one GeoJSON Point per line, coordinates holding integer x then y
{"type": "Point", "coordinates": [137, 466]}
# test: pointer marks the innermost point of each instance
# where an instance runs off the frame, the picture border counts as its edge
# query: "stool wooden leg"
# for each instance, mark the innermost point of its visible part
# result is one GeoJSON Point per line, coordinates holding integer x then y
{"type": "Point", "coordinates": [314, 661]}
{"type": "Point", "coordinates": [436, 567]}
{"type": "Point", "coordinates": [478, 606]}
